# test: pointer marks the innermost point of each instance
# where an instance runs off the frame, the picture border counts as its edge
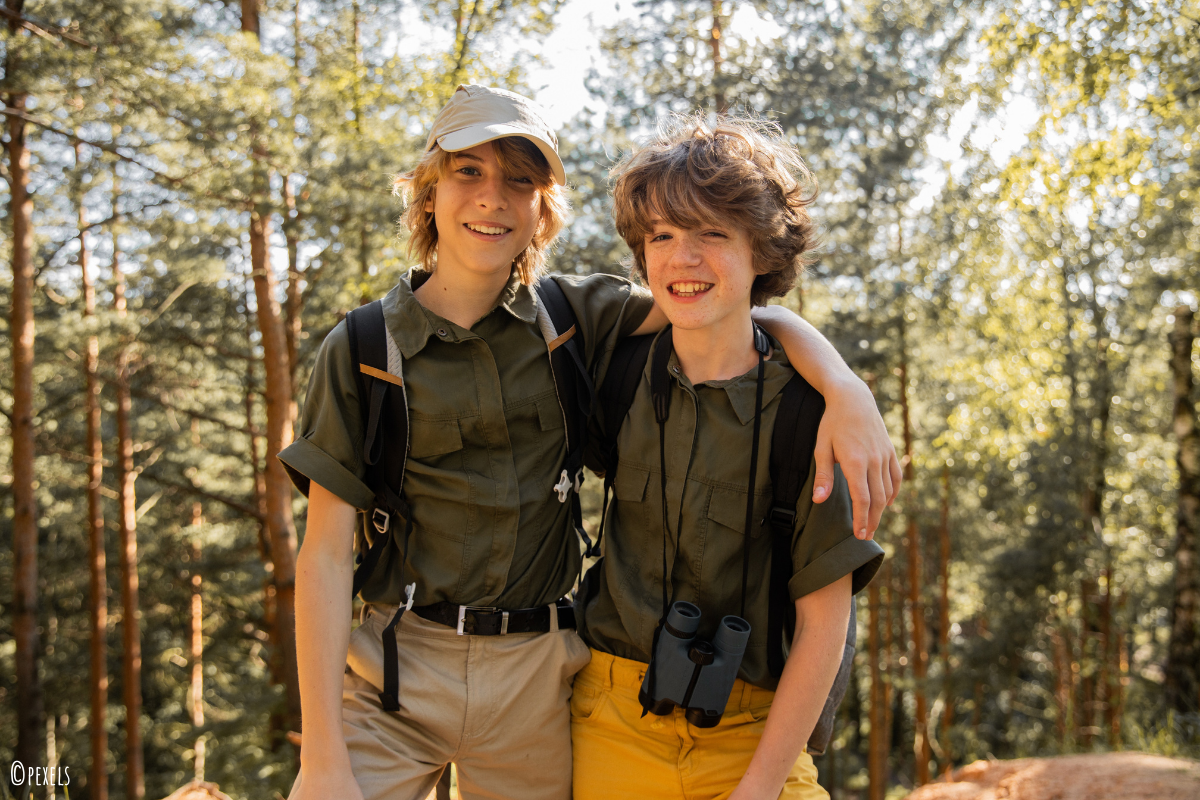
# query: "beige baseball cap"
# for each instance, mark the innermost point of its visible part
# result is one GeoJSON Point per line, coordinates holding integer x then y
{"type": "Point", "coordinates": [478, 114]}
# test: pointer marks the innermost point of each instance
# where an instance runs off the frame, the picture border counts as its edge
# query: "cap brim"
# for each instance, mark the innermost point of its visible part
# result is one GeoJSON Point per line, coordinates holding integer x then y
{"type": "Point", "coordinates": [479, 134]}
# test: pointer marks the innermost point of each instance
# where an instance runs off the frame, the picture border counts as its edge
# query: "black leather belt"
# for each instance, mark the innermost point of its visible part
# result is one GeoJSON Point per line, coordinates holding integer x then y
{"type": "Point", "coordinates": [487, 621]}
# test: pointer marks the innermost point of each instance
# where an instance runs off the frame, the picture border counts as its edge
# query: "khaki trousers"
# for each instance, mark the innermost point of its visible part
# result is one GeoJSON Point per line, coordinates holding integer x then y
{"type": "Point", "coordinates": [496, 706]}
{"type": "Point", "coordinates": [619, 753]}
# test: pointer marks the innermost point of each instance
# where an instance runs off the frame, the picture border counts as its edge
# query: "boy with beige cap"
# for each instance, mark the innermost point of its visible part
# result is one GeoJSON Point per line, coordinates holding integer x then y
{"type": "Point", "coordinates": [474, 598]}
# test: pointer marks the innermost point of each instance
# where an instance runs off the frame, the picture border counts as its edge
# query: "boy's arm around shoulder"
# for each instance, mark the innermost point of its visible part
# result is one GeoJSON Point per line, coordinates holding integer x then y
{"type": "Point", "coordinates": [852, 432]}
{"type": "Point", "coordinates": [324, 578]}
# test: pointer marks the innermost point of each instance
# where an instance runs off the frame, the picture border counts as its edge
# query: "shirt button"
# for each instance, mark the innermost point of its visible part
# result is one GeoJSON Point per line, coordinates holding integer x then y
{"type": "Point", "coordinates": [441, 331]}
{"type": "Point", "coordinates": [675, 369]}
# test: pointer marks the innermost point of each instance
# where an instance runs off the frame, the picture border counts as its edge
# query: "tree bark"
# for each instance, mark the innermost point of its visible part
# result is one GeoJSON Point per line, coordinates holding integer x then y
{"type": "Point", "coordinates": [944, 620]}
{"type": "Point", "coordinates": [876, 747]}
{"type": "Point", "coordinates": [921, 747]}
{"type": "Point", "coordinates": [278, 396]}
{"type": "Point", "coordinates": [97, 556]}
{"type": "Point", "coordinates": [30, 732]}
{"type": "Point", "coordinates": [1183, 650]}
{"type": "Point", "coordinates": [127, 518]}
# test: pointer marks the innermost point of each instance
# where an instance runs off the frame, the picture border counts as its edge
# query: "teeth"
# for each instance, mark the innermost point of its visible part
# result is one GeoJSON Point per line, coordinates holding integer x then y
{"type": "Point", "coordinates": [690, 288]}
{"type": "Point", "coordinates": [486, 229]}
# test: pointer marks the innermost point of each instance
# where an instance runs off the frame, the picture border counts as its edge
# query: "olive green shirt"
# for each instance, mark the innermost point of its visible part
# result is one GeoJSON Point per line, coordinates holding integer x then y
{"type": "Point", "coordinates": [487, 443]}
{"type": "Point", "coordinates": [709, 434]}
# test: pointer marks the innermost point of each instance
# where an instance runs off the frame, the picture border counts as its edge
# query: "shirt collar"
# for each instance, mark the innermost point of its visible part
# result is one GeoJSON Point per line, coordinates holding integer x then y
{"type": "Point", "coordinates": [743, 389]}
{"type": "Point", "coordinates": [518, 299]}
{"type": "Point", "coordinates": [411, 324]}
{"type": "Point", "coordinates": [407, 320]}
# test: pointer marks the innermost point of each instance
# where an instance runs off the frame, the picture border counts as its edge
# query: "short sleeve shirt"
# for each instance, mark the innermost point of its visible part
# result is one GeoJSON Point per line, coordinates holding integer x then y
{"type": "Point", "coordinates": [709, 433]}
{"type": "Point", "coordinates": [486, 443]}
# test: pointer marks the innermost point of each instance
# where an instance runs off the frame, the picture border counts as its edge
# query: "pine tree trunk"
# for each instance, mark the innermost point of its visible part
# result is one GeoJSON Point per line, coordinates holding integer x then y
{"type": "Point", "coordinates": [278, 396]}
{"type": "Point", "coordinates": [1183, 650]}
{"type": "Point", "coordinates": [21, 329]}
{"type": "Point", "coordinates": [1083, 698]}
{"type": "Point", "coordinates": [97, 556]}
{"type": "Point", "coordinates": [921, 748]}
{"type": "Point", "coordinates": [1105, 692]}
{"type": "Point", "coordinates": [944, 620]}
{"type": "Point", "coordinates": [876, 747]}
{"type": "Point", "coordinates": [891, 614]}
{"type": "Point", "coordinates": [127, 518]}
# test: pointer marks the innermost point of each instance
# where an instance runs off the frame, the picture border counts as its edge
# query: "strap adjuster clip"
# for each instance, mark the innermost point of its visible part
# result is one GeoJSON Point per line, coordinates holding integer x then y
{"type": "Point", "coordinates": [564, 486]}
{"type": "Point", "coordinates": [782, 517]}
{"type": "Point", "coordinates": [381, 525]}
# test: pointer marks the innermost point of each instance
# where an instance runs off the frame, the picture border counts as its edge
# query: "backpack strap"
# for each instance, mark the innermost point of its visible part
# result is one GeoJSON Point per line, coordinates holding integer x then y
{"type": "Point", "coordinates": [795, 437]}
{"type": "Point", "coordinates": [384, 409]}
{"type": "Point", "coordinates": [616, 398]}
{"type": "Point", "coordinates": [574, 388]}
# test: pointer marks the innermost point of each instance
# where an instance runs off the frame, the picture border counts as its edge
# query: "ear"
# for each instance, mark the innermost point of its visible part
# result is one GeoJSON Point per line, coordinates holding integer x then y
{"type": "Point", "coordinates": [429, 200]}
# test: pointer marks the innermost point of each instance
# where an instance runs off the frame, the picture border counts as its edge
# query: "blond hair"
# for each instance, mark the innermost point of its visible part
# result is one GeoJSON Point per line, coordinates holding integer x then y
{"type": "Point", "coordinates": [738, 170]}
{"type": "Point", "coordinates": [518, 157]}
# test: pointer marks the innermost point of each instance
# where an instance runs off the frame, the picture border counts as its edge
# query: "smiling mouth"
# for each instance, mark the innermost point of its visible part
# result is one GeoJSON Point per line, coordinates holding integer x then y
{"type": "Point", "coordinates": [689, 288]}
{"type": "Point", "coordinates": [487, 230]}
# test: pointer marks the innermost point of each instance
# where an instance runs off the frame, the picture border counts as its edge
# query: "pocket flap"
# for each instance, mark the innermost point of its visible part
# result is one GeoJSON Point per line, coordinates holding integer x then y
{"type": "Point", "coordinates": [434, 438]}
{"type": "Point", "coordinates": [728, 508]}
{"type": "Point", "coordinates": [630, 485]}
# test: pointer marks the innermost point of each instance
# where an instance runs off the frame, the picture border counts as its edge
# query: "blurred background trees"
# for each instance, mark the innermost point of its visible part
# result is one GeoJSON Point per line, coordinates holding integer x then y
{"type": "Point", "coordinates": [196, 191]}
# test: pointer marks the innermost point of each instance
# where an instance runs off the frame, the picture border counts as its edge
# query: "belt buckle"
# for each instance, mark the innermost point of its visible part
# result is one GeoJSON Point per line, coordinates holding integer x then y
{"type": "Point", "coordinates": [462, 616]}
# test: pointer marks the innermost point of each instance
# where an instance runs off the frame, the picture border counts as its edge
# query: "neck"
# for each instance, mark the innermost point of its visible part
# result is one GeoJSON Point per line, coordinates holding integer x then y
{"type": "Point", "coordinates": [459, 295]}
{"type": "Point", "coordinates": [716, 352]}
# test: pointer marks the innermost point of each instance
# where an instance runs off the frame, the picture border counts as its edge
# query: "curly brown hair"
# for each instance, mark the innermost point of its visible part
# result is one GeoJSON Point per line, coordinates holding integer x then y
{"type": "Point", "coordinates": [738, 170]}
{"type": "Point", "coordinates": [517, 157]}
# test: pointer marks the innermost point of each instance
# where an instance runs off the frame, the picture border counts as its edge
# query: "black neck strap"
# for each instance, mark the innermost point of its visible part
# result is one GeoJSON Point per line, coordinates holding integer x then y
{"type": "Point", "coordinates": [660, 390]}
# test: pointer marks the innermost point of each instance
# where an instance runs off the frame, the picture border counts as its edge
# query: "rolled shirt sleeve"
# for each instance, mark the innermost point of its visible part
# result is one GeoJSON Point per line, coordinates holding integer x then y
{"type": "Point", "coordinates": [824, 548]}
{"type": "Point", "coordinates": [327, 449]}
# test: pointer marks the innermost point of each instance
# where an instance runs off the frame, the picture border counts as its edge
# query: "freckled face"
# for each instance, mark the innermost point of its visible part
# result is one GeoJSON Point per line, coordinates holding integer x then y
{"type": "Point", "coordinates": [484, 218]}
{"type": "Point", "coordinates": [700, 276]}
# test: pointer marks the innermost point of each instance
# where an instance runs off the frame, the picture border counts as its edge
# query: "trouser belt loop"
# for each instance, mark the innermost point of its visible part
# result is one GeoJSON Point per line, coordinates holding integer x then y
{"type": "Point", "coordinates": [553, 617]}
{"type": "Point", "coordinates": [747, 691]}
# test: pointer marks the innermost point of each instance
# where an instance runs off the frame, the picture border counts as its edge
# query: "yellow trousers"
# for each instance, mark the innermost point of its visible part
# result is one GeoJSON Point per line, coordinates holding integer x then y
{"type": "Point", "coordinates": [619, 753]}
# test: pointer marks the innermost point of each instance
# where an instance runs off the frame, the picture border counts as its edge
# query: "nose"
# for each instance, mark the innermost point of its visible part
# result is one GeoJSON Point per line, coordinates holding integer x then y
{"type": "Point", "coordinates": [685, 252]}
{"type": "Point", "coordinates": [493, 192]}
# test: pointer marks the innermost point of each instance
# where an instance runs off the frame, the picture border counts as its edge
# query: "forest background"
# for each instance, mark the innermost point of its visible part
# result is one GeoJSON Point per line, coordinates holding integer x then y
{"type": "Point", "coordinates": [196, 191]}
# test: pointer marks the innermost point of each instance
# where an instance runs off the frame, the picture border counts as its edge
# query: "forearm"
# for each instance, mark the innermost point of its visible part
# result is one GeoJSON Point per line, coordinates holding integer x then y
{"type": "Point", "coordinates": [807, 350]}
{"type": "Point", "coordinates": [324, 576]}
{"type": "Point", "coordinates": [807, 678]}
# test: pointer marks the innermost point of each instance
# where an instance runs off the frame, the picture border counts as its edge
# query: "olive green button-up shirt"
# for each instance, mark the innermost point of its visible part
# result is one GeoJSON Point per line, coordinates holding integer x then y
{"type": "Point", "coordinates": [487, 443]}
{"type": "Point", "coordinates": [709, 434]}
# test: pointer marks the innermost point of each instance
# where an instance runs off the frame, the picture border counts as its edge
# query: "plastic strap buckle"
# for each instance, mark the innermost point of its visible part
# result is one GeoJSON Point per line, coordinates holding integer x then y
{"type": "Point", "coordinates": [781, 517]}
{"type": "Point", "coordinates": [381, 525]}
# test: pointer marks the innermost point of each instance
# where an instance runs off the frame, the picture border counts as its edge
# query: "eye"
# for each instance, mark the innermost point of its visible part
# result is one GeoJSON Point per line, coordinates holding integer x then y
{"type": "Point", "coordinates": [720, 234]}
{"type": "Point", "coordinates": [469, 171]}
{"type": "Point", "coordinates": [660, 237]}
{"type": "Point", "coordinates": [522, 180]}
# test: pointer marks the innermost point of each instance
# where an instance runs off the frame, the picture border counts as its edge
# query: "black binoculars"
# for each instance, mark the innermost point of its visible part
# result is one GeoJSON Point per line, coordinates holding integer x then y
{"type": "Point", "coordinates": [691, 673]}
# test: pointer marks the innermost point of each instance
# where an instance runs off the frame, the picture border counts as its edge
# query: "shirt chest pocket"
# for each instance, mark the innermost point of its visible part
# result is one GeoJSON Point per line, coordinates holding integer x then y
{"type": "Point", "coordinates": [727, 508]}
{"type": "Point", "coordinates": [430, 438]}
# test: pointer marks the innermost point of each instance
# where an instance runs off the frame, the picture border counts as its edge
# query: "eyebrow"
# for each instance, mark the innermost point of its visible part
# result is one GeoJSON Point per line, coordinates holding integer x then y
{"type": "Point", "coordinates": [468, 155]}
